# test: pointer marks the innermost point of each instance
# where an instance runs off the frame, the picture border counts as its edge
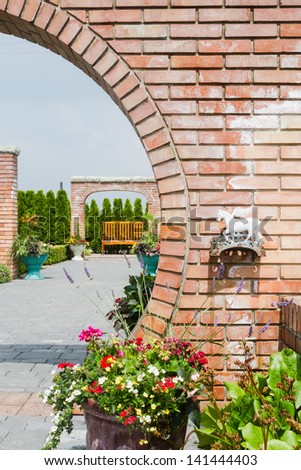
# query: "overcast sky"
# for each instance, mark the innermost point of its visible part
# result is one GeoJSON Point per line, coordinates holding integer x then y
{"type": "Point", "coordinates": [64, 124]}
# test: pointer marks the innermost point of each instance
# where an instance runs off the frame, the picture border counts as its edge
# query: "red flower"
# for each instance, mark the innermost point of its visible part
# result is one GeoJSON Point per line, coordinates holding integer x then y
{"type": "Point", "coordinates": [198, 358]}
{"type": "Point", "coordinates": [123, 414]}
{"type": "Point", "coordinates": [95, 388]}
{"type": "Point", "coordinates": [107, 361]}
{"type": "Point", "coordinates": [129, 420]}
{"type": "Point", "coordinates": [62, 365]}
{"type": "Point", "coordinates": [166, 384]}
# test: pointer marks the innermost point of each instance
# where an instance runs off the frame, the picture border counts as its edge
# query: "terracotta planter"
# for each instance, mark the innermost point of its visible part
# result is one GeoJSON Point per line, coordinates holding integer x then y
{"type": "Point", "coordinates": [105, 432]}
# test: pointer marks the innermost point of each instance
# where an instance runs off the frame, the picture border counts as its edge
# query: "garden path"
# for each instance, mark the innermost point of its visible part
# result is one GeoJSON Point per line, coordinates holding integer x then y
{"type": "Point", "coordinates": [40, 322]}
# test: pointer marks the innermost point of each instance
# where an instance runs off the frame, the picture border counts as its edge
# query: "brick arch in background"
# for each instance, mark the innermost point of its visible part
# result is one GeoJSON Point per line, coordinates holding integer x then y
{"type": "Point", "coordinates": [46, 24]}
{"type": "Point", "coordinates": [83, 187]}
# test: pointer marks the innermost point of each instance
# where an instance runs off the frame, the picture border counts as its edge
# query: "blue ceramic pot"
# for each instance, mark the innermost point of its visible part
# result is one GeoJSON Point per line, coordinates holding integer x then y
{"type": "Point", "coordinates": [149, 263]}
{"type": "Point", "coordinates": [33, 265]}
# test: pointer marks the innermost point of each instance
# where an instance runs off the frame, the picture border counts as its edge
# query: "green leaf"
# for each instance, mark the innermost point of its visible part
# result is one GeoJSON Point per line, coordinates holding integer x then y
{"type": "Point", "coordinates": [205, 440]}
{"type": "Point", "coordinates": [210, 418]}
{"type": "Point", "coordinates": [288, 406]}
{"type": "Point", "coordinates": [286, 362]}
{"type": "Point", "coordinates": [290, 438]}
{"type": "Point", "coordinates": [234, 390]}
{"type": "Point", "coordinates": [275, 444]}
{"type": "Point", "coordinates": [253, 436]}
{"type": "Point", "coordinates": [297, 390]}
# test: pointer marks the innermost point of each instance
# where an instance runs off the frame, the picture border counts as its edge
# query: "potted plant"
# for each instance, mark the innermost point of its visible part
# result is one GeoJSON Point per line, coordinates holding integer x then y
{"type": "Point", "coordinates": [32, 253]}
{"type": "Point", "coordinates": [77, 245]}
{"type": "Point", "coordinates": [148, 252]}
{"type": "Point", "coordinates": [136, 394]}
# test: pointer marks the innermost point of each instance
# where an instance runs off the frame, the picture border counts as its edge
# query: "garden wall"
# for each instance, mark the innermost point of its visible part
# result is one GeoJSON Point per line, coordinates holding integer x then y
{"type": "Point", "coordinates": [212, 88]}
{"type": "Point", "coordinates": [8, 204]}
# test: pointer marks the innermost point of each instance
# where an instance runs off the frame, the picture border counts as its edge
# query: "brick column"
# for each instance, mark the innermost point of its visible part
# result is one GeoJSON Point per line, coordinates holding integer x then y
{"type": "Point", "coordinates": [8, 203]}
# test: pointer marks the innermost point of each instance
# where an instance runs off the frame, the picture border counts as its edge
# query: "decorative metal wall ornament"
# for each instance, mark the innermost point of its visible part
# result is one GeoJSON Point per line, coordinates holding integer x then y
{"type": "Point", "coordinates": [240, 234]}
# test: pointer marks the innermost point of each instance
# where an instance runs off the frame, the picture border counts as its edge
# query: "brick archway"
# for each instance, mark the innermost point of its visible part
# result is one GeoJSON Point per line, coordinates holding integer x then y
{"type": "Point", "coordinates": [212, 88]}
{"type": "Point", "coordinates": [82, 187]}
{"type": "Point", "coordinates": [66, 33]}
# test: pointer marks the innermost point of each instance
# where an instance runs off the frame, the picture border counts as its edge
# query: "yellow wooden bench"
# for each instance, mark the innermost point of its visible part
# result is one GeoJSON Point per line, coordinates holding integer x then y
{"type": "Point", "coordinates": [121, 233]}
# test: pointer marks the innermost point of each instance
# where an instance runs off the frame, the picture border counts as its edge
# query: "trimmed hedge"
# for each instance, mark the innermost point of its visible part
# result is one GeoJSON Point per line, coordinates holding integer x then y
{"type": "Point", "coordinates": [57, 254]}
{"type": "Point", "coordinates": [5, 274]}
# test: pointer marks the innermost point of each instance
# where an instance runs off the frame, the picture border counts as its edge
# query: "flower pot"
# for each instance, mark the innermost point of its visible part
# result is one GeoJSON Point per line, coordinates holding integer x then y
{"type": "Point", "coordinates": [77, 251]}
{"type": "Point", "coordinates": [149, 263]}
{"type": "Point", "coordinates": [33, 265]}
{"type": "Point", "coordinates": [105, 432]}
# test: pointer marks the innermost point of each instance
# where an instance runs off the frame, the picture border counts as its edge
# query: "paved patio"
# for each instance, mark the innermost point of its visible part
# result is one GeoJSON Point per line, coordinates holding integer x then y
{"type": "Point", "coordinates": [40, 322]}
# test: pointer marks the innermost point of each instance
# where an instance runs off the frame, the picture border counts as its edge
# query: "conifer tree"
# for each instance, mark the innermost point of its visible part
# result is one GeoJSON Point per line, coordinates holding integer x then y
{"type": "Point", "coordinates": [138, 210]}
{"type": "Point", "coordinates": [30, 203]}
{"type": "Point", "coordinates": [93, 225]}
{"type": "Point", "coordinates": [62, 217]}
{"type": "Point", "coordinates": [50, 204]}
{"type": "Point", "coordinates": [21, 213]}
{"type": "Point", "coordinates": [106, 210]}
{"type": "Point", "coordinates": [117, 209]}
{"type": "Point", "coordinates": [128, 213]}
{"type": "Point", "coordinates": [41, 212]}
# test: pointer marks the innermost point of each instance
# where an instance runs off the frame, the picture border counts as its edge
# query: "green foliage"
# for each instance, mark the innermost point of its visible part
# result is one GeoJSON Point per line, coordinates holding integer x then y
{"type": "Point", "coordinates": [106, 210]}
{"type": "Point", "coordinates": [138, 210]}
{"type": "Point", "coordinates": [133, 304]}
{"type": "Point", "coordinates": [264, 412]}
{"type": "Point", "coordinates": [128, 213]}
{"type": "Point", "coordinates": [56, 254]}
{"type": "Point", "coordinates": [41, 230]}
{"type": "Point", "coordinates": [50, 206]}
{"type": "Point", "coordinates": [148, 245]}
{"type": "Point", "coordinates": [95, 245]}
{"type": "Point", "coordinates": [62, 217]}
{"type": "Point", "coordinates": [117, 209]}
{"type": "Point", "coordinates": [28, 246]}
{"type": "Point", "coordinates": [93, 225]}
{"type": "Point", "coordinates": [5, 274]}
{"type": "Point", "coordinates": [30, 202]}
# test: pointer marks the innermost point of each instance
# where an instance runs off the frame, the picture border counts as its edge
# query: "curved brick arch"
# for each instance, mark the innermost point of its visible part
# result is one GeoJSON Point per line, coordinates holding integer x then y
{"type": "Point", "coordinates": [83, 187]}
{"type": "Point", "coordinates": [212, 88]}
{"type": "Point", "coordinates": [46, 24]}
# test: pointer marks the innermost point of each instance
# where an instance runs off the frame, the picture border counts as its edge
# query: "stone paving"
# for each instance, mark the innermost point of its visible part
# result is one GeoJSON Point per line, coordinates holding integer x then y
{"type": "Point", "coordinates": [40, 322]}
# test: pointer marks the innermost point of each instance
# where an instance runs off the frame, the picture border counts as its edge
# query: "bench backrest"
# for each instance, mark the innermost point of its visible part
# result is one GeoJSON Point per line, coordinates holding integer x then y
{"type": "Point", "coordinates": [119, 230]}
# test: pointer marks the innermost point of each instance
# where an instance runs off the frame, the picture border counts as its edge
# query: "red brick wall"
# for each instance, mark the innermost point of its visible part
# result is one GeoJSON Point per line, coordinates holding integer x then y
{"type": "Point", "coordinates": [8, 204]}
{"type": "Point", "coordinates": [213, 90]}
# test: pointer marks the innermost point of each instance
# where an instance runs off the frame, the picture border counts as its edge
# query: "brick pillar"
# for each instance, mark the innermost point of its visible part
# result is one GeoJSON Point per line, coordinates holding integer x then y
{"type": "Point", "coordinates": [8, 204]}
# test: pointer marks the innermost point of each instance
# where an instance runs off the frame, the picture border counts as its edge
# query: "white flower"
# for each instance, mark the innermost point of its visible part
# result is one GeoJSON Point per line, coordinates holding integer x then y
{"type": "Point", "coordinates": [140, 377]}
{"type": "Point", "coordinates": [129, 384]}
{"type": "Point", "coordinates": [195, 376]}
{"type": "Point", "coordinates": [76, 393]}
{"type": "Point", "coordinates": [178, 379]}
{"type": "Point", "coordinates": [153, 370]}
{"type": "Point", "coordinates": [102, 380]}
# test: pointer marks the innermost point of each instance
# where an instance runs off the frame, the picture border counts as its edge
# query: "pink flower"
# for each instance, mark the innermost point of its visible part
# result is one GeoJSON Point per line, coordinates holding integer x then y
{"type": "Point", "coordinates": [89, 334]}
